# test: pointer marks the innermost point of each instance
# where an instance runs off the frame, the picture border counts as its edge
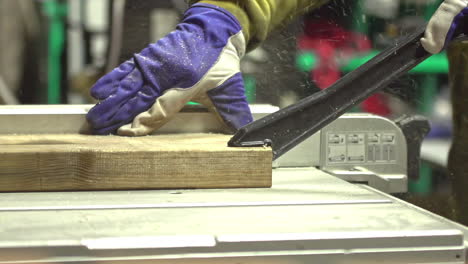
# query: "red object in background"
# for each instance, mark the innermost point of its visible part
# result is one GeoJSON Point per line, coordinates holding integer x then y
{"type": "Point", "coordinates": [376, 104]}
{"type": "Point", "coordinates": [332, 43]}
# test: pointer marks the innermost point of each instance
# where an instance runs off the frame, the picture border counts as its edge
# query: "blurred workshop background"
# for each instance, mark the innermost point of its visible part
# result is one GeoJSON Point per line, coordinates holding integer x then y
{"type": "Point", "coordinates": [52, 51]}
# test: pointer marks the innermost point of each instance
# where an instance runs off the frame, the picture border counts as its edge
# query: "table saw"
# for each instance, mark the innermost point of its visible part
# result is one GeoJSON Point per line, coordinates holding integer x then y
{"type": "Point", "coordinates": [329, 203]}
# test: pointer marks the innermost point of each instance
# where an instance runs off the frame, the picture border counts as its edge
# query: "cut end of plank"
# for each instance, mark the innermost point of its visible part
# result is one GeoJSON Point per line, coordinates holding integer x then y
{"type": "Point", "coordinates": [176, 161]}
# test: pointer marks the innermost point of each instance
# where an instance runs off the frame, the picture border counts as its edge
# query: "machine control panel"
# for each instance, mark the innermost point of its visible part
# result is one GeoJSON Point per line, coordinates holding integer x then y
{"type": "Point", "coordinates": [361, 147]}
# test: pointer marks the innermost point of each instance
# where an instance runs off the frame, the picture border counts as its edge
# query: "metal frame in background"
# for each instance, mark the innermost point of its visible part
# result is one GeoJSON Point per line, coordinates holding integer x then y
{"type": "Point", "coordinates": [6, 96]}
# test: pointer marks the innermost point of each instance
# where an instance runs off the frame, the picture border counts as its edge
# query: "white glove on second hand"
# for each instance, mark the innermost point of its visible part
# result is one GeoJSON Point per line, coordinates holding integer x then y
{"type": "Point", "coordinates": [443, 24]}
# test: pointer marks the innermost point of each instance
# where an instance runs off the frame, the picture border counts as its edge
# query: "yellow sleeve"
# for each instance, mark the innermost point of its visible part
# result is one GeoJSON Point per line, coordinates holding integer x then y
{"type": "Point", "coordinates": [259, 17]}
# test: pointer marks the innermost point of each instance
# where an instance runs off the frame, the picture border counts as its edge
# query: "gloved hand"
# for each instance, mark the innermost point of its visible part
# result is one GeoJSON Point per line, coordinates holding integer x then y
{"type": "Point", "coordinates": [199, 61]}
{"type": "Point", "coordinates": [443, 24]}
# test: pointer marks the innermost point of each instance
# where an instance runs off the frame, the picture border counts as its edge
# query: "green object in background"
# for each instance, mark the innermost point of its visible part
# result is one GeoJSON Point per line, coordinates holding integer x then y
{"type": "Point", "coordinates": [430, 86]}
{"type": "Point", "coordinates": [250, 88]}
{"type": "Point", "coordinates": [423, 186]}
{"type": "Point", "coordinates": [56, 12]}
{"type": "Point", "coordinates": [431, 8]}
{"type": "Point", "coordinates": [360, 23]}
{"type": "Point", "coordinates": [437, 63]}
{"type": "Point", "coordinates": [306, 61]}
{"type": "Point", "coordinates": [440, 64]}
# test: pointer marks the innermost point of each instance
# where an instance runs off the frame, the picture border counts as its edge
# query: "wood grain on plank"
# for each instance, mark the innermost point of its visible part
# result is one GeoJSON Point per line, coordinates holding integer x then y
{"type": "Point", "coordinates": [81, 162]}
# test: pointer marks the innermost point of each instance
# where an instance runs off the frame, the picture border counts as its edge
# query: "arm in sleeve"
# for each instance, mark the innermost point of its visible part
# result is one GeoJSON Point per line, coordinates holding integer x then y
{"type": "Point", "coordinates": [259, 17]}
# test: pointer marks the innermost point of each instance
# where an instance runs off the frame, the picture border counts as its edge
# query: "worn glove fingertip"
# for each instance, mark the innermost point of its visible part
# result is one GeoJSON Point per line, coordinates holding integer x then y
{"type": "Point", "coordinates": [431, 46]}
{"type": "Point", "coordinates": [129, 131]}
{"type": "Point", "coordinates": [92, 117]}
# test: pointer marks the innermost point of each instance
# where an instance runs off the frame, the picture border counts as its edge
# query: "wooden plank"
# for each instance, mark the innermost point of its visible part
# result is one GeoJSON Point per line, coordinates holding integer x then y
{"type": "Point", "coordinates": [80, 162]}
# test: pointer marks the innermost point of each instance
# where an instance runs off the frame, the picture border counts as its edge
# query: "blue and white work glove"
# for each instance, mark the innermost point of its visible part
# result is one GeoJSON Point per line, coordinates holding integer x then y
{"type": "Point", "coordinates": [443, 24]}
{"type": "Point", "coordinates": [199, 61]}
